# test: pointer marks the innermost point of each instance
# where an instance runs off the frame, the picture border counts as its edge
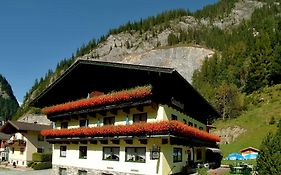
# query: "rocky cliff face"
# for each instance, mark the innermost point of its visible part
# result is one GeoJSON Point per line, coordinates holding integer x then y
{"type": "Point", "coordinates": [133, 47]}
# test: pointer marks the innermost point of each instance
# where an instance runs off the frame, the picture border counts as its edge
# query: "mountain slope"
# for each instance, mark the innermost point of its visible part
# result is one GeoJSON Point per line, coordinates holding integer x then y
{"type": "Point", "coordinates": [8, 102]}
{"type": "Point", "coordinates": [262, 117]}
{"type": "Point", "coordinates": [146, 41]}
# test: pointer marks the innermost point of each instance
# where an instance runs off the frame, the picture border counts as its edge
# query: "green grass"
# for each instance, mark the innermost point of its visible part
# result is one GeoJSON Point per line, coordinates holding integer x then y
{"type": "Point", "coordinates": [263, 106]}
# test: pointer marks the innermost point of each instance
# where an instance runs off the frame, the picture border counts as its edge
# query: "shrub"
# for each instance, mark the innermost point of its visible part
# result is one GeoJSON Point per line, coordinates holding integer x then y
{"type": "Point", "coordinates": [33, 164]}
{"type": "Point", "coordinates": [203, 171]}
{"type": "Point", "coordinates": [42, 165]}
{"type": "Point", "coordinates": [29, 164]}
{"type": "Point", "coordinates": [42, 157]}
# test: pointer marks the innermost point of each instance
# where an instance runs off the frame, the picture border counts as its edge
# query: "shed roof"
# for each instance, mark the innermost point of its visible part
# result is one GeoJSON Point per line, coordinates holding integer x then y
{"type": "Point", "coordinates": [249, 148]}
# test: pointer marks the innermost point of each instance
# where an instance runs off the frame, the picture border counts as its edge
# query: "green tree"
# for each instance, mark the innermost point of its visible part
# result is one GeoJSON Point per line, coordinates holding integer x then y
{"type": "Point", "coordinates": [269, 159]}
{"type": "Point", "coordinates": [229, 101]}
{"type": "Point", "coordinates": [172, 39]}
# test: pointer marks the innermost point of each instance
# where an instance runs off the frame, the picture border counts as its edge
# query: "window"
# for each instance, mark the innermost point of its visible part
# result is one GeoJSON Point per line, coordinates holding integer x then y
{"type": "Point", "coordinates": [142, 117]}
{"type": "Point", "coordinates": [64, 125]}
{"type": "Point", "coordinates": [184, 121]}
{"type": "Point", "coordinates": [62, 171]}
{"type": "Point", "coordinates": [198, 154]}
{"type": "Point", "coordinates": [174, 117]}
{"type": "Point", "coordinates": [177, 155]}
{"type": "Point", "coordinates": [62, 151]}
{"type": "Point", "coordinates": [40, 137]}
{"type": "Point", "coordinates": [108, 120]}
{"type": "Point", "coordinates": [82, 172]}
{"type": "Point", "coordinates": [135, 154]}
{"type": "Point", "coordinates": [84, 123]}
{"type": "Point", "coordinates": [40, 150]}
{"type": "Point", "coordinates": [82, 152]}
{"type": "Point", "coordinates": [190, 124]}
{"type": "Point", "coordinates": [111, 153]}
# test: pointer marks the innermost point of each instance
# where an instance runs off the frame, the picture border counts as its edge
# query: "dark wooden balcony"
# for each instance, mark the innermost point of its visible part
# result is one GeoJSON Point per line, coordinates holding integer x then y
{"type": "Point", "coordinates": [16, 142]}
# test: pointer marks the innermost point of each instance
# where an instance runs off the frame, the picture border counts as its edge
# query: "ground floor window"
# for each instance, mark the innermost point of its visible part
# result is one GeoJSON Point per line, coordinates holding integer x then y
{"type": "Point", "coordinates": [82, 172]}
{"type": "Point", "coordinates": [82, 152]}
{"type": "Point", "coordinates": [62, 171]}
{"type": "Point", "coordinates": [135, 154]}
{"type": "Point", "coordinates": [62, 151]}
{"type": "Point", "coordinates": [111, 153]}
{"type": "Point", "coordinates": [177, 155]}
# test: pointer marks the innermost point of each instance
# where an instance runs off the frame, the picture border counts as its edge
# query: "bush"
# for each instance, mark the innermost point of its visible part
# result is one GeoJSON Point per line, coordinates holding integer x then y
{"type": "Point", "coordinates": [42, 165]}
{"type": "Point", "coordinates": [42, 157]}
{"type": "Point", "coordinates": [33, 164]}
{"type": "Point", "coordinates": [202, 171]}
{"type": "Point", "coordinates": [29, 164]}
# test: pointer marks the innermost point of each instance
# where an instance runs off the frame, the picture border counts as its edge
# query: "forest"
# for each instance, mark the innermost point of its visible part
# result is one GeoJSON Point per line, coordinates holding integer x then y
{"type": "Point", "coordinates": [9, 105]}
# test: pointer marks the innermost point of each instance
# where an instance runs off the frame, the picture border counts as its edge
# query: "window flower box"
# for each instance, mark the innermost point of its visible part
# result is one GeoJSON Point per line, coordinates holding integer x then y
{"type": "Point", "coordinates": [113, 97]}
{"type": "Point", "coordinates": [139, 129]}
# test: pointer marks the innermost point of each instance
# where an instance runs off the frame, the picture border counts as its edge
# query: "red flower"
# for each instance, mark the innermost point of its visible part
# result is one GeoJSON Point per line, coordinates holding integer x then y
{"type": "Point", "coordinates": [164, 127]}
{"type": "Point", "coordinates": [114, 97]}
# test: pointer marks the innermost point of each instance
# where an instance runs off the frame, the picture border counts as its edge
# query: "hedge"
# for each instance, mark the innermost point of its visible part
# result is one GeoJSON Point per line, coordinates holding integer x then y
{"type": "Point", "coordinates": [42, 157]}
{"type": "Point", "coordinates": [42, 165]}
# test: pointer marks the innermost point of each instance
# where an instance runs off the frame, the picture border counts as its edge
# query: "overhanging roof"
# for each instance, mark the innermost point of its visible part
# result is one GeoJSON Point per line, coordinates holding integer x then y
{"type": "Point", "coordinates": [85, 76]}
{"type": "Point", "coordinates": [11, 127]}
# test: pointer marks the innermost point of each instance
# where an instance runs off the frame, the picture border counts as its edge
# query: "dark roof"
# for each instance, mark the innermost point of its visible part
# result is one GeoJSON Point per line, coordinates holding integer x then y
{"type": "Point", "coordinates": [72, 82]}
{"type": "Point", "coordinates": [85, 76]}
{"type": "Point", "coordinates": [249, 148]}
{"type": "Point", "coordinates": [16, 126]}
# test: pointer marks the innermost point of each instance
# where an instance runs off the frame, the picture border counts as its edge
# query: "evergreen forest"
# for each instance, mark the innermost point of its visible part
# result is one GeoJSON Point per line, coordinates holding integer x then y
{"type": "Point", "coordinates": [8, 102]}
